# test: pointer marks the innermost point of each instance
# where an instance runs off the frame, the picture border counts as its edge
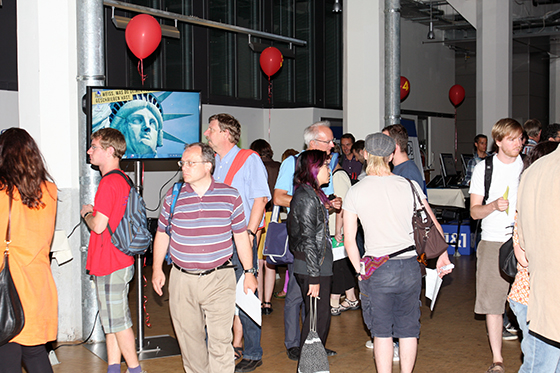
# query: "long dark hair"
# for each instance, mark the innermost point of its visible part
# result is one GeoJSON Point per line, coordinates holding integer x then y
{"type": "Point", "coordinates": [308, 165]}
{"type": "Point", "coordinates": [540, 150]}
{"type": "Point", "coordinates": [22, 167]}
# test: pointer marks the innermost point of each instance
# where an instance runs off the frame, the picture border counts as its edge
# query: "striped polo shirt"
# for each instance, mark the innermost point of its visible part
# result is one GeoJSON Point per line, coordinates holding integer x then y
{"type": "Point", "coordinates": [201, 227]}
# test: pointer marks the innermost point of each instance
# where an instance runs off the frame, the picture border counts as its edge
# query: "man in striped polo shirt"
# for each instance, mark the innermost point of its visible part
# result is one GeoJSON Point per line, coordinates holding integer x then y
{"type": "Point", "coordinates": [202, 280]}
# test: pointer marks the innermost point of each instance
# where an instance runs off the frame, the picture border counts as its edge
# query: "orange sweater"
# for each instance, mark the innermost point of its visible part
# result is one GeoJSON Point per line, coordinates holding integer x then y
{"type": "Point", "coordinates": [31, 235]}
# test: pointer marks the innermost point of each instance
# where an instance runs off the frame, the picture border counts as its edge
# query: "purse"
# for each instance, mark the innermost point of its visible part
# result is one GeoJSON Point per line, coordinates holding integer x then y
{"type": "Point", "coordinates": [313, 356]}
{"type": "Point", "coordinates": [276, 248]}
{"type": "Point", "coordinates": [429, 242]}
{"type": "Point", "coordinates": [368, 264]}
{"type": "Point", "coordinates": [11, 312]}
{"type": "Point", "coordinates": [507, 259]}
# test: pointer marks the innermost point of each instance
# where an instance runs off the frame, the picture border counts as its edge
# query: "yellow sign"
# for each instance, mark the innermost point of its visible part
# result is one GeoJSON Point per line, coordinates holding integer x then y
{"type": "Point", "coordinates": [115, 95]}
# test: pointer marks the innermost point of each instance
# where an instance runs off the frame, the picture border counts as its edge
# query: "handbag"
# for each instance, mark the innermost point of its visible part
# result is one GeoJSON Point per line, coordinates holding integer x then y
{"type": "Point", "coordinates": [276, 248]}
{"type": "Point", "coordinates": [313, 356]}
{"type": "Point", "coordinates": [429, 241]}
{"type": "Point", "coordinates": [507, 259]}
{"type": "Point", "coordinates": [11, 311]}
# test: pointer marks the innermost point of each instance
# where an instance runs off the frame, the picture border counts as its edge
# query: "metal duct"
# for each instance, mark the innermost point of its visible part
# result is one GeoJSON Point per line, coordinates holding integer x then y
{"type": "Point", "coordinates": [392, 62]}
{"type": "Point", "coordinates": [91, 72]}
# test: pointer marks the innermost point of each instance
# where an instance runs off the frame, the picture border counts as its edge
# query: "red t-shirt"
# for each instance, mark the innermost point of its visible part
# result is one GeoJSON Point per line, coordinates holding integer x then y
{"type": "Point", "coordinates": [110, 200]}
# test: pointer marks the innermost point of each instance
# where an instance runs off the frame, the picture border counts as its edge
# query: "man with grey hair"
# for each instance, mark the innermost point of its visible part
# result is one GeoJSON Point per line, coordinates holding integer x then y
{"type": "Point", "coordinates": [317, 136]}
{"type": "Point", "coordinates": [203, 318]}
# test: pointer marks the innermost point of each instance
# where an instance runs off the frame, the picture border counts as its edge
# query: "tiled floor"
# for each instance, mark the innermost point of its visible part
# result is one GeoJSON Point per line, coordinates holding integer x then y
{"type": "Point", "coordinates": [452, 338]}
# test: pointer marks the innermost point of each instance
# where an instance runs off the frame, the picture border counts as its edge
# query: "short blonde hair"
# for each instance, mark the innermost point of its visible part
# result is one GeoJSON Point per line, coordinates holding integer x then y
{"type": "Point", "coordinates": [506, 127]}
{"type": "Point", "coordinates": [377, 165]}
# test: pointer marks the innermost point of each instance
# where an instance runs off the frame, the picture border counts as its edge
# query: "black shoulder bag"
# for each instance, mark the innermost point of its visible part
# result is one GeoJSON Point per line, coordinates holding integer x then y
{"type": "Point", "coordinates": [11, 311]}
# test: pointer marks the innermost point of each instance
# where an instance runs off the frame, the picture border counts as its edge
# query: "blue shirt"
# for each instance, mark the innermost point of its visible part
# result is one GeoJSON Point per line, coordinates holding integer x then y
{"type": "Point", "coordinates": [285, 180]}
{"type": "Point", "coordinates": [409, 170]}
{"type": "Point", "coordinates": [251, 180]}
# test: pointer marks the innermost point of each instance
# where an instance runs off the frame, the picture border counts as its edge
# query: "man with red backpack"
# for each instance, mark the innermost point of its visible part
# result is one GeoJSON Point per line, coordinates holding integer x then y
{"type": "Point", "coordinates": [244, 170]}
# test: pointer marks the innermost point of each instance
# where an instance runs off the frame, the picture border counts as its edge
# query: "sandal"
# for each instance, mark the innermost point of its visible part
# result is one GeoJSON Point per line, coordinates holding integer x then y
{"type": "Point", "coordinates": [280, 295]}
{"type": "Point", "coordinates": [351, 305]}
{"type": "Point", "coordinates": [237, 352]}
{"type": "Point", "coordinates": [335, 311]}
{"type": "Point", "coordinates": [496, 368]}
{"type": "Point", "coordinates": [267, 308]}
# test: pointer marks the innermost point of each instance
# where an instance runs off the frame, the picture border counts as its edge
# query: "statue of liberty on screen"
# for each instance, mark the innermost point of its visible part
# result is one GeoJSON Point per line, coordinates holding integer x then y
{"type": "Point", "coordinates": [140, 120]}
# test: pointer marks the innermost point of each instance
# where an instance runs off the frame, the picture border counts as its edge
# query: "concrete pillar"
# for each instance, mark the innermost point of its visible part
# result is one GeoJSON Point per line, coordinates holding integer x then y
{"type": "Point", "coordinates": [493, 63]}
{"type": "Point", "coordinates": [46, 32]}
{"type": "Point", "coordinates": [554, 107]}
{"type": "Point", "coordinates": [364, 46]}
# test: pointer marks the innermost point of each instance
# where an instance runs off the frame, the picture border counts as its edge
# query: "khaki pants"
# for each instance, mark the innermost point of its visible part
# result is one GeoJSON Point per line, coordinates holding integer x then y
{"type": "Point", "coordinates": [199, 301]}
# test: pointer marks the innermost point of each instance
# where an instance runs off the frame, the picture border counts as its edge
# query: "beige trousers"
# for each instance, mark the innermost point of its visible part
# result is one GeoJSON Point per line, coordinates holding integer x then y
{"type": "Point", "coordinates": [196, 302]}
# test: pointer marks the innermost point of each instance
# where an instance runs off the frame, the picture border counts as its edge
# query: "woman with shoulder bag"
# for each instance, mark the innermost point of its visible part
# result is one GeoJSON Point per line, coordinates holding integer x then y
{"type": "Point", "coordinates": [310, 240]}
{"type": "Point", "coordinates": [390, 275]}
{"type": "Point", "coordinates": [25, 182]}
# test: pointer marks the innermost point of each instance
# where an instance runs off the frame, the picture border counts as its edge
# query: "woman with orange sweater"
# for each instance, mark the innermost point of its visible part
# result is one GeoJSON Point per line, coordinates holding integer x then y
{"type": "Point", "coordinates": [24, 181]}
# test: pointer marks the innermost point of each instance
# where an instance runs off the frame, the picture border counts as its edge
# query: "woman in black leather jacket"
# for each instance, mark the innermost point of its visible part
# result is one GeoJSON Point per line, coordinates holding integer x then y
{"type": "Point", "coordinates": [310, 239]}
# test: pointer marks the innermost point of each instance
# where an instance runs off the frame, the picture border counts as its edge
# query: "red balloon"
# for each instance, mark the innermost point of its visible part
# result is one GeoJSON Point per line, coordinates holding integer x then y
{"type": "Point", "coordinates": [456, 95]}
{"type": "Point", "coordinates": [143, 34]}
{"type": "Point", "coordinates": [271, 61]}
{"type": "Point", "coordinates": [405, 88]}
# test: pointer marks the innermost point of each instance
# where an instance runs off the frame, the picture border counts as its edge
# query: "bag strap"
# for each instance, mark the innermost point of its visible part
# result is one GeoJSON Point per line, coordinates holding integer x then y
{"type": "Point", "coordinates": [237, 163]}
{"type": "Point", "coordinates": [415, 196]}
{"type": "Point", "coordinates": [175, 196]}
{"type": "Point", "coordinates": [8, 239]}
{"type": "Point", "coordinates": [275, 217]}
{"type": "Point", "coordinates": [125, 176]}
{"type": "Point", "coordinates": [313, 314]}
{"type": "Point", "coordinates": [487, 177]}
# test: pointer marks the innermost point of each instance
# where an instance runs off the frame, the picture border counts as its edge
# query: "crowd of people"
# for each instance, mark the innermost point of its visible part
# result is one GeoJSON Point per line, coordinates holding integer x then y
{"type": "Point", "coordinates": [359, 196]}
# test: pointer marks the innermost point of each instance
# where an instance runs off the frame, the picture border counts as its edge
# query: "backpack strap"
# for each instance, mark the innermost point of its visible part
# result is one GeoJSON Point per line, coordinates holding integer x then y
{"type": "Point", "coordinates": [237, 163]}
{"type": "Point", "coordinates": [125, 176]}
{"type": "Point", "coordinates": [487, 177]}
{"type": "Point", "coordinates": [174, 197]}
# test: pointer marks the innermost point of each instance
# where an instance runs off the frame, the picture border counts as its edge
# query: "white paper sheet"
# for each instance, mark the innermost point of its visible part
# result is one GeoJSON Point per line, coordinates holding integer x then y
{"type": "Point", "coordinates": [433, 284]}
{"type": "Point", "coordinates": [249, 302]}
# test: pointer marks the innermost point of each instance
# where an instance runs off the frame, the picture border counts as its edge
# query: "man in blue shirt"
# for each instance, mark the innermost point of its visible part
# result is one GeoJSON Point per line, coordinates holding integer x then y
{"type": "Point", "coordinates": [251, 180]}
{"type": "Point", "coordinates": [317, 136]}
{"type": "Point", "coordinates": [480, 146]}
{"type": "Point", "coordinates": [402, 165]}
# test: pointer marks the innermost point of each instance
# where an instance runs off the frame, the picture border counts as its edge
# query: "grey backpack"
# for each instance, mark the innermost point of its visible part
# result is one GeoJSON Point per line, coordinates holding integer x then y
{"type": "Point", "coordinates": [132, 236]}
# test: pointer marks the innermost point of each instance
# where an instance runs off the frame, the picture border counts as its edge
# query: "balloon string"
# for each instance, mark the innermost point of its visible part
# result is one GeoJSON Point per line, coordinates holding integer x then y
{"type": "Point", "coordinates": [269, 105]}
{"type": "Point", "coordinates": [141, 70]}
{"type": "Point", "coordinates": [148, 324]}
{"type": "Point", "coordinates": [455, 133]}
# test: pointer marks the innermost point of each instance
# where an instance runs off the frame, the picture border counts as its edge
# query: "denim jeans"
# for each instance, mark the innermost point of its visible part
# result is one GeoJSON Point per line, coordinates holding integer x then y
{"type": "Point", "coordinates": [538, 356]}
{"type": "Point", "coordinates": [252, 349]}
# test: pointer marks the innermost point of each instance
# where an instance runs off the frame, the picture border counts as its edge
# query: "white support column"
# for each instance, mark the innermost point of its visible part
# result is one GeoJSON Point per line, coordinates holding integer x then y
{"type": "Point", "coordinates": [493, 63]}
{"type": "Point", "coordinates": [554, 100]}
{"type": "Point", "coordinates": [46, 32]}
{"type": "Point", "coordinates": [363, 87]}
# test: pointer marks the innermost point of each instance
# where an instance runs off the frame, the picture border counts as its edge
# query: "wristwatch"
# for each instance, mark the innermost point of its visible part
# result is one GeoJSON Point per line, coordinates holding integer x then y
{"type": "Point", "coordinates": [251, 270]}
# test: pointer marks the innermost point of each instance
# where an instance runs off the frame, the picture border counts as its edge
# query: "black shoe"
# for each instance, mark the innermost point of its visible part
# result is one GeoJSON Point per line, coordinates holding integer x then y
{"type": "Point", "coordinates": [246, 365]}
{"type": "Point", "coordinates": [267, 310]}
{"type": "Point", "coordinates": [330, 352]}
{"type": "Point", "coordinates": [293, 353]}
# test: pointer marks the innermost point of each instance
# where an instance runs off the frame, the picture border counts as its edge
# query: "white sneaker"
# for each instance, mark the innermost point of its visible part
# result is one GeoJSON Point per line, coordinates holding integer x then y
{"type": "Point", "coordinates": [395, 352]}
{"type": "Point", "coordinates": [369, 344]}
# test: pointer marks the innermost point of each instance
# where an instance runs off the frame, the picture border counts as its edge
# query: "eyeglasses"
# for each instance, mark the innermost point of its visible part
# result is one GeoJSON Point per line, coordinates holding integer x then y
{"type": "Point", "coordinates": [93, 147]}
{"type": "Point", "coordinates": [325, 142]}
{"type": "Point", "coordinates": [189, 163]}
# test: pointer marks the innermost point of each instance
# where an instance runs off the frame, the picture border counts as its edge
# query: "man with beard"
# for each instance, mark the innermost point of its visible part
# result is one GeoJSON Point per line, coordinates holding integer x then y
{"type": "Point", "coordinates": [497, 209]}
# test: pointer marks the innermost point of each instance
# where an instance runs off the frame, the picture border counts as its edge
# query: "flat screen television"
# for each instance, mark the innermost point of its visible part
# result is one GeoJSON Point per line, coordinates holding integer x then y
{"type": "Point", "coordinates": [157, 124]}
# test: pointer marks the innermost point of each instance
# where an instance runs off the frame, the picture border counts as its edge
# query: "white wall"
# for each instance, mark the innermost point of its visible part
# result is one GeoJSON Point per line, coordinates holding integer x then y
{"type": "Point", "coordinates": [48, 110]}
{"type": "Point", "coordinates": [8, 108]}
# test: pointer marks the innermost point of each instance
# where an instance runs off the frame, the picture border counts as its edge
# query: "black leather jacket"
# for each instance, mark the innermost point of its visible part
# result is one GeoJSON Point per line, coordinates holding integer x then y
{"type": "Point", "coordinates": [308, 230]}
